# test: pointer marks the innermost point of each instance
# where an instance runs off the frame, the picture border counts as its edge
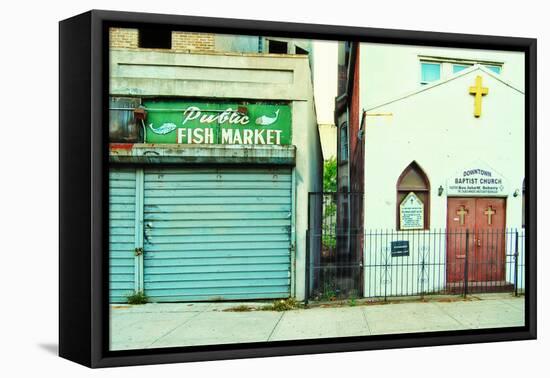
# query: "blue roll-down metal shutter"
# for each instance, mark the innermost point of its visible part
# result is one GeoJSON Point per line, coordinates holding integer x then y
{"type": "Point", "coordinates": [122, 230]}
{"type": "Point", "coordinates": [217, 234]}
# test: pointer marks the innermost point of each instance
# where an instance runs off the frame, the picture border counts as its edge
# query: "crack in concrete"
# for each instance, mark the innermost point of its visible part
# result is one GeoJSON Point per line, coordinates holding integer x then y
{"type": "Point", "coordinates": [507, 303]}
{"type": "Point", "coordinates": [276, 325]}
{"type": "Point", "coordinates": [364, 312]}
{"type": "Point", "coordinates": [440, 308]}
{"type": "Point", "coordinates": [176, 327]}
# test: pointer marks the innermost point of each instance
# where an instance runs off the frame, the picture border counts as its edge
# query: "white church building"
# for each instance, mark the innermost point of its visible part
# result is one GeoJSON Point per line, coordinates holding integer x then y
{"type": "Point", "coordinates": [443, 132]}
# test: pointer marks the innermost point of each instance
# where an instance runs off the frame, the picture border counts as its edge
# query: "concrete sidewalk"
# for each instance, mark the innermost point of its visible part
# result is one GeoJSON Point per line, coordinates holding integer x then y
{"type": "Point", "coordinates": [184, 324]}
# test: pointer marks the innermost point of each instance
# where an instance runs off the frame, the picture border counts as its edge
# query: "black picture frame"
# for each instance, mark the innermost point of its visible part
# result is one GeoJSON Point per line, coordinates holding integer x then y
{"type": "Point", "coordinates": [83, 209]}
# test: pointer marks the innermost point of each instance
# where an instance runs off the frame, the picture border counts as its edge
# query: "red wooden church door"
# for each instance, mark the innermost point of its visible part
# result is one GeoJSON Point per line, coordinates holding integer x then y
{"type": "Point", "coordinates": [485, 221]}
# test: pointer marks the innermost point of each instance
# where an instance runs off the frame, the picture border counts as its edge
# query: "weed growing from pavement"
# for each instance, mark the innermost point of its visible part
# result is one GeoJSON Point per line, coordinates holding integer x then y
{"type": "Point", "coordinates": [278, 305]}
{"type": "Point", "coordinates": [292, 304]}
{"type": "Point", "coordinates": [283, 305]}
{"type": "Point", "coordinates": [328, 293]}
{"type": "Point", "coordinates": [241, 308]}
{"type": "Point", "coordinates": [137, 298]}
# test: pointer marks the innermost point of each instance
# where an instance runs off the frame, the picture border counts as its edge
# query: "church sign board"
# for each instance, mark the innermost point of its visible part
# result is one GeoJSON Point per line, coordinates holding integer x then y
{"type": "Point", "coordinates": [411, 213]}
{"type": "Point", "coordinates": [477, 179]}
{"type": "Point", "coordinates": [204, 122]}
{"type": "Point", "coordinates": [399, 248]}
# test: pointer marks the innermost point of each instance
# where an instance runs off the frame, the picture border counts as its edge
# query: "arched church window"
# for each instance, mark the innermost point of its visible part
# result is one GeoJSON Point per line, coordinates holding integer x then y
{"type": "Point", "coordinates": [413, 199]}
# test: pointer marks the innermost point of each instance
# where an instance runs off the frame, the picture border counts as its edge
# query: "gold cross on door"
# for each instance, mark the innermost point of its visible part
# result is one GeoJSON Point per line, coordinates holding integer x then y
{"type": "Point", "coordinates": [462, 212]}
{"type": "Point", "coordinates": [489, 212]}
{"type": "Point", "coordinates": [478, 91]}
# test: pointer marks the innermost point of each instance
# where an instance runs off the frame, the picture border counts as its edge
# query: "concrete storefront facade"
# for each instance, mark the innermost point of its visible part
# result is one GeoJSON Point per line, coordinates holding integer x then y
{"type": "Point", "coordinates": [218, 210]}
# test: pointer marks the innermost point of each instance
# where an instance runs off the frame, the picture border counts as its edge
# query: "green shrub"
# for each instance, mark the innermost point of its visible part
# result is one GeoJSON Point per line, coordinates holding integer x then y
{"type": "Point", "coordinates": [330, 169]}
{"type": "Point", "coordinates": [137, 298]}
{"type": "Point", "coordinates": [329, 242]}
{"type": "Point", "coordinates": [328, 292]}
{"type": "Point", "coordinates": [283, 305]}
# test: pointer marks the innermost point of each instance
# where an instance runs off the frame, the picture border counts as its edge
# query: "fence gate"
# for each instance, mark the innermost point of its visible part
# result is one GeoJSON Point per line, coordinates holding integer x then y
{"type": "Point", "coordinates": [334, 268]}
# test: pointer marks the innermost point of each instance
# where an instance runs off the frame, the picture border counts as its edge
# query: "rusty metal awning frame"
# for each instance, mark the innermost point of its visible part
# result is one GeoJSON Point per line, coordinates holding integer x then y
{"type": "Point", "coordinates": [201, 154]}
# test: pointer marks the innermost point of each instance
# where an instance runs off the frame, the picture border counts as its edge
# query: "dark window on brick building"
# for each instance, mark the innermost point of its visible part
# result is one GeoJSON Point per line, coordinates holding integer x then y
{"type": "Point", "coordinates": [301, 51]}
{"type": "Point", "coordinates": [277, 47]}
{"type": "Point", "coordinates": [344, 142]}
{"type": "Point", "coordinates": [155, 38]}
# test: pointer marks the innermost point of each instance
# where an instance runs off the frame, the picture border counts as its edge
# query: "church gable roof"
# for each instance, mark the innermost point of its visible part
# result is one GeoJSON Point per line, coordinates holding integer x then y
{"type": "Point", "coordinates": [443, 82]}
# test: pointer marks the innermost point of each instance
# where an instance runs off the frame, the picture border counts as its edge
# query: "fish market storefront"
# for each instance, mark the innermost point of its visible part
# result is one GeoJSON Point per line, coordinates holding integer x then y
{"type": "Point", "coordinates": [211, 157]}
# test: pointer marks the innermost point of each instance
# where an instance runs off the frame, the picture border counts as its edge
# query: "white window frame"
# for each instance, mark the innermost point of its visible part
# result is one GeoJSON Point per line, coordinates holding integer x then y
{"type": "Point", "coordinates": [446, 65]}
{"type": "Point", "coordinates": [424, 82]}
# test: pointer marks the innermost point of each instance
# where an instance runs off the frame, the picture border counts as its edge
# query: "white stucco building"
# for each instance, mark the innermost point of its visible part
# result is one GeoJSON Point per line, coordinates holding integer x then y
{"type": "Point", "coordinates": [443, 133]}
{"type": "Point", "coordinates": [325, 81]}
{"type": "Point", "coordinates": [435, 127]}
{"type": "Point", "coordinates": [394, 70]}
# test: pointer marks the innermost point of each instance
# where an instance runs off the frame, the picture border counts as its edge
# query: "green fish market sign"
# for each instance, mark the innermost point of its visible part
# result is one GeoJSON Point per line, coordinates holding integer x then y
{"type": "Point", "coordinates": [217, 123]}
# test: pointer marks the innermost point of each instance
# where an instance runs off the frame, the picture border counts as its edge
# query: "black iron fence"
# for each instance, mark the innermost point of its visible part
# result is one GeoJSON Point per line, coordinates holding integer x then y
{"type": "Point", "coordinates": [390, 263]}
{"type": "Point", "coordinates": [335, 246]}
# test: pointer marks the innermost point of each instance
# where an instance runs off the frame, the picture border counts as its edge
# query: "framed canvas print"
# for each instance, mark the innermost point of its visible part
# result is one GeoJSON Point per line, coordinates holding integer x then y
{"type": "Point", "coordinates": [236, 188]}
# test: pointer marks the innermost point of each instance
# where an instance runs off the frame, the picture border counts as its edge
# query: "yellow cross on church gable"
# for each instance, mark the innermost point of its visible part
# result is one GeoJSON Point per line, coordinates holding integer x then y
{"type": "Point", "coordinates": [478, 91]}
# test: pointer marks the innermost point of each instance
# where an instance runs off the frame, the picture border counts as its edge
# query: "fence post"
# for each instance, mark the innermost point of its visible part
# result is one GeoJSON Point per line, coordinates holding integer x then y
{"type": "Point", "coordinates": [308, 270]}
{"type": "Point", "coordinates": [466, 264]}
{"type": "Point", "coordinates": [422, 267]}
{"type": "Point", "coordinates": [383, 248]}
{"type": "Point", "coordinates": [516, 255]}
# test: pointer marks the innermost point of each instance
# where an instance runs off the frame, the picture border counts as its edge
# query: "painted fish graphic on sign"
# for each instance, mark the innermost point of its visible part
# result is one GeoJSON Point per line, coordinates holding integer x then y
{"type": "Point", "coordinates": [165, 128]}
{"type": "Point", "coordinates": [266, 121]}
